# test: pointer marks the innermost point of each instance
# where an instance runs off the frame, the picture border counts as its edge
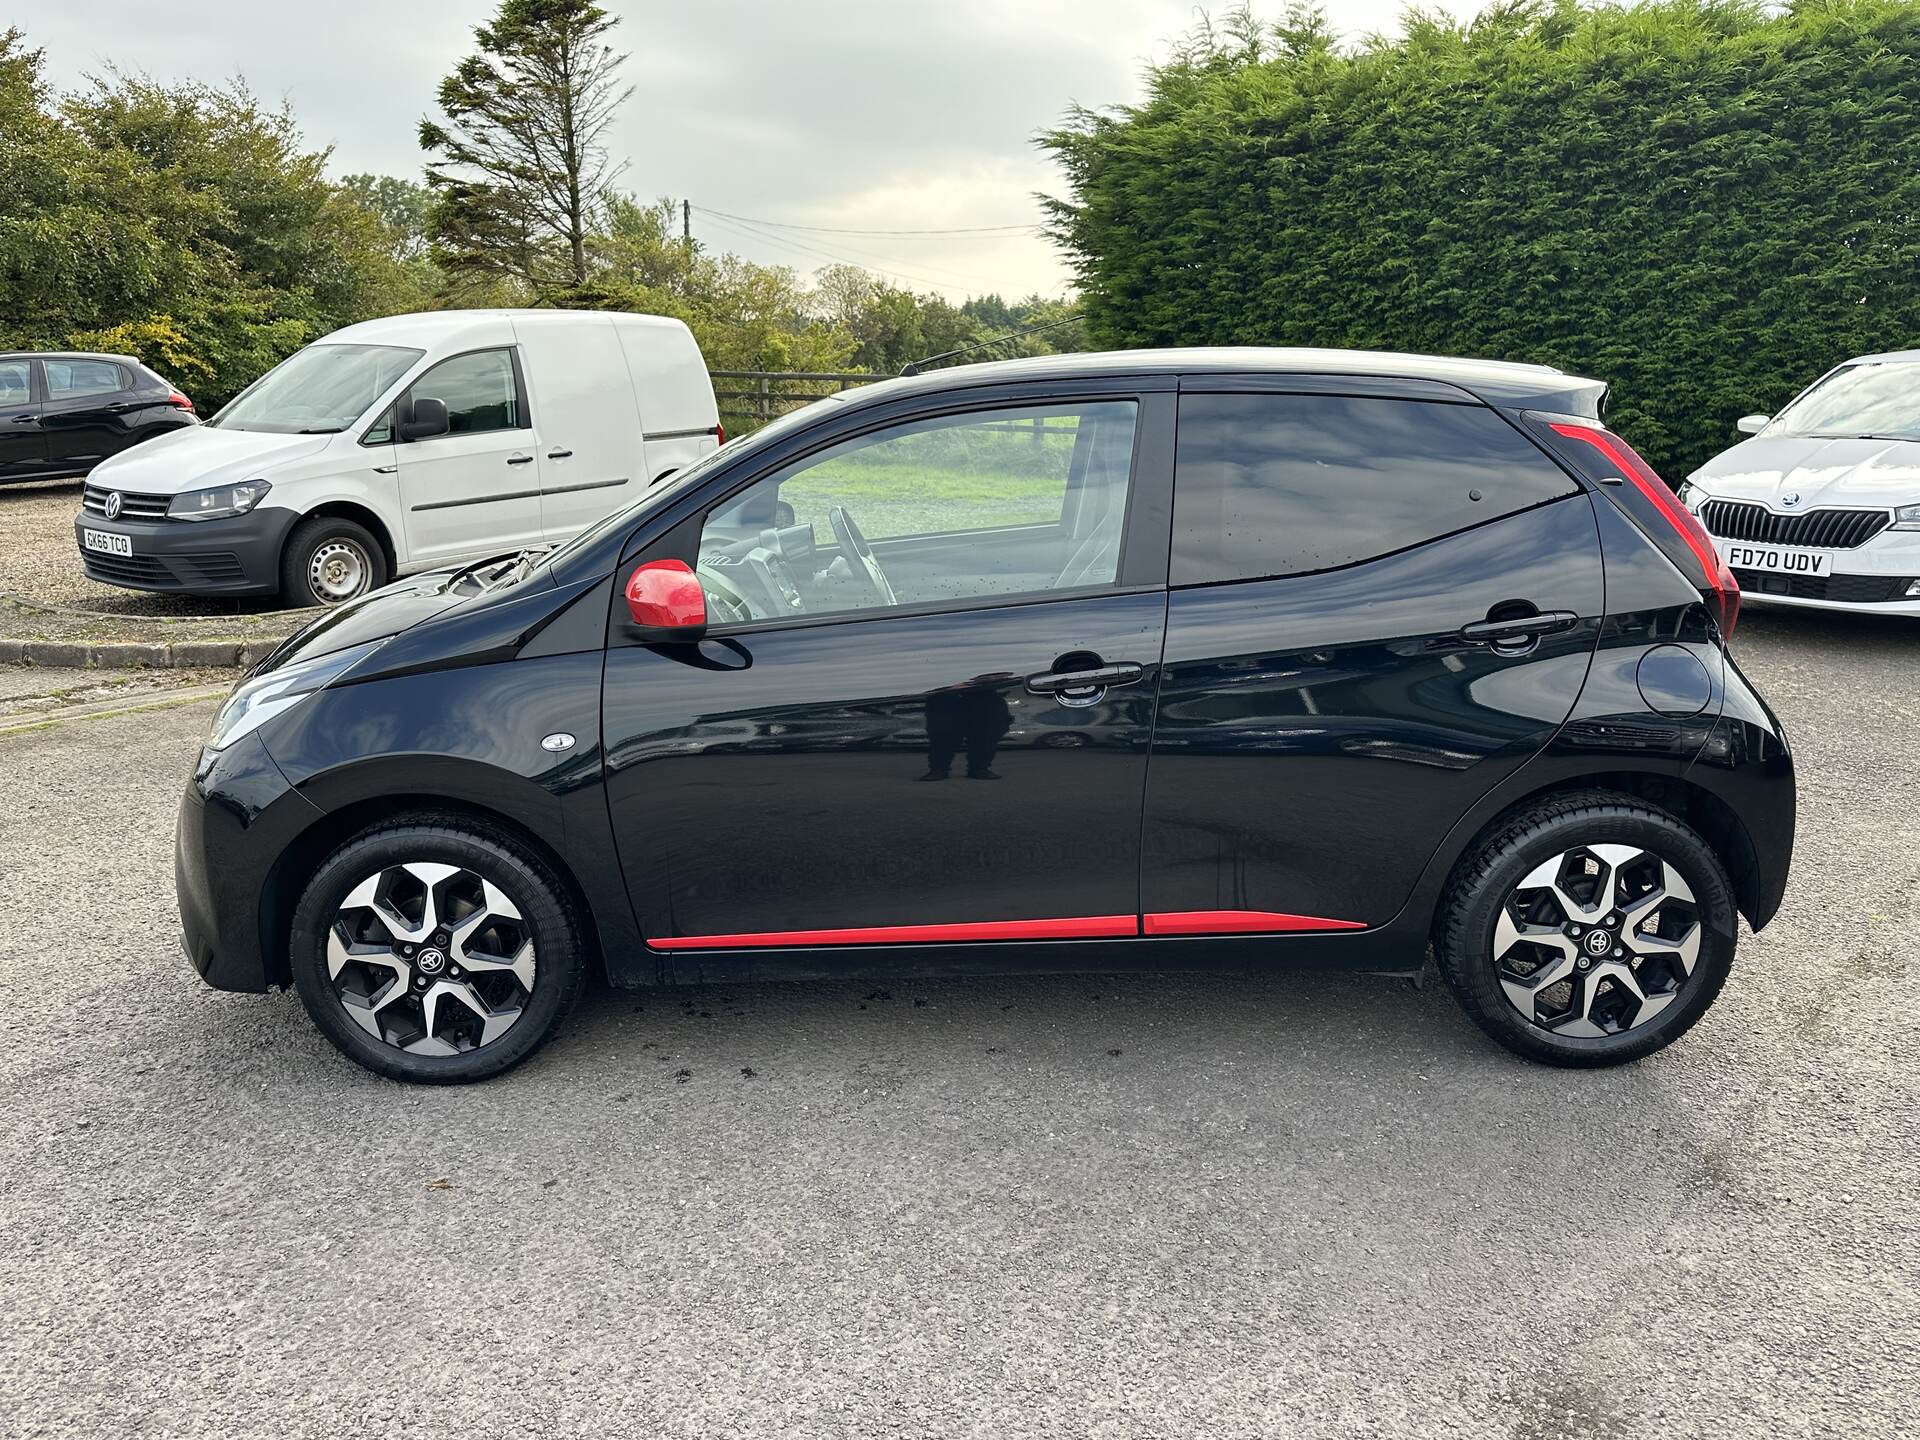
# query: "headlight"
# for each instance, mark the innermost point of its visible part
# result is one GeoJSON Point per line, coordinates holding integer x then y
{"type": "Point", "coordinates": [256, 701]}
{"type": "Point", "coordinates": [1907, 517]}
{"type": "Point", "coordinates": [1690, 494]}
{"type": "Point", "coordinates": [219, 502]}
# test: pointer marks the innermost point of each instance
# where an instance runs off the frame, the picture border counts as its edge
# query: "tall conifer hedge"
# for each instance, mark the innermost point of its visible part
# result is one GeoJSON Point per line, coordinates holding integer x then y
{"type": "Point", "coordinates": [1705, 204]}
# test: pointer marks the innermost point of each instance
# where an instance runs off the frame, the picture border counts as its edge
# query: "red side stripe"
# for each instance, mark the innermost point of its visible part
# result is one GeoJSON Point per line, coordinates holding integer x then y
{"type": "Point", "coordinates": [1074, 927]}
{"type": "Point", "coordinates": [1240, 922]}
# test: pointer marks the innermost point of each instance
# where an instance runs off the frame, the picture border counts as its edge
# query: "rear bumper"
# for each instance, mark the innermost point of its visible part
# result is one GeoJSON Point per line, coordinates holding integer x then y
{"type": "Point", "coordinates": [237, 816]}
{"type": "Point", "coordinates": [236, 556]}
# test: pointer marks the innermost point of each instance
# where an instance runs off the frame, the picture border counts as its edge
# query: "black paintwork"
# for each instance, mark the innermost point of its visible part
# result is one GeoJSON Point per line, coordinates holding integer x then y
{"type": "Point", "coordinates": [1322, 744]}
{"type": "Point", "coordinates": [48, 437]}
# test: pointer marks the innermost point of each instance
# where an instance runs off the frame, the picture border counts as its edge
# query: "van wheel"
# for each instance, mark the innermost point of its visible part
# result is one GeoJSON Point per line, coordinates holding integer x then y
{"type": "Point", "coordinates": [330, 560]}
{"type": "Point", "coordinates": [1589, 929]}
{"type": "Point", "coordinates": [437, 950]}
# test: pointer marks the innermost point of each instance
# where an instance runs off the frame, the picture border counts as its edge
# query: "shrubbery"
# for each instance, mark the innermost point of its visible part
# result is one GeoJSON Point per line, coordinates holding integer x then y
{"type": "Point", "coordinates": [1704, 203]}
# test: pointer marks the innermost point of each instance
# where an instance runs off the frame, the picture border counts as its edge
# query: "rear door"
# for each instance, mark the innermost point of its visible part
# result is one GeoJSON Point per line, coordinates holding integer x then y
{"type": "Point", "coordinates": [589, 457]}
{"type": "Point", "coordinates": [1380, 608]}
{"type": "Point", "coordinates": [958, 755]}
{"type": "Point", "coordinates": [83, 416]}
{"type": "Point", "coordinates": [23, 443]}
{"type": "Point", "coordinates": [476, 489]}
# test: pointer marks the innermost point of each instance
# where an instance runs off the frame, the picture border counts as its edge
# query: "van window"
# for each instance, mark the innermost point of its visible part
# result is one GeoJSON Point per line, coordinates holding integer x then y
{"type": "Point", "coordinates": [996, 502]}
{"type": "Point", "coordinates": [1270, 485]}
{"type": "Point", "coordinates": [481, 392]}
{"type": "Point", "coordinates": [76, 379]}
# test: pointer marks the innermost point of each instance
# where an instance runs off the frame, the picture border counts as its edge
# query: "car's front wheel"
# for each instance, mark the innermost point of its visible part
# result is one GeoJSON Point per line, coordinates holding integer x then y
{"type": "Point", "coordinates": [1589, 929]}
{"type": "Point", "coordinates": [330, 560]}
{"type": "Point", "coordinates": [437, 950]}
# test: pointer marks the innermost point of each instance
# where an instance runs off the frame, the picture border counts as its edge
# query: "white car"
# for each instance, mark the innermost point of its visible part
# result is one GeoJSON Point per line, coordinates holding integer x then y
{"type": "Point", "coordinates": [409, 443]}
{"type": "Point", "coordinates": [1821, 508]}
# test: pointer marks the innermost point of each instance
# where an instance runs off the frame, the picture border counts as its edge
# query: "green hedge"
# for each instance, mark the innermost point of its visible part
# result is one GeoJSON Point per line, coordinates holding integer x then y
{"type": "Point", "coordinates": [1704, 204]}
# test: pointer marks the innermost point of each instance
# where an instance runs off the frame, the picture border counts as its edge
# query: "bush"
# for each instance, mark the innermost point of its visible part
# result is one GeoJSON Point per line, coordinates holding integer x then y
{"type": "Point", "coordinates": [1706, 204]}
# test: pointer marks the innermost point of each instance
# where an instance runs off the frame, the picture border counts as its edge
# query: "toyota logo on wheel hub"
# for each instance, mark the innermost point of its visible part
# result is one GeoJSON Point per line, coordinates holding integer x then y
{"type": "Point", "coordinates": [1598, 942]}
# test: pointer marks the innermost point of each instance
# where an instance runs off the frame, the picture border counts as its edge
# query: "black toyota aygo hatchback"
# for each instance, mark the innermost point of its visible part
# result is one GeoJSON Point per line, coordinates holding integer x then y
{"type": "Point", "coordinates": [1181, 659]}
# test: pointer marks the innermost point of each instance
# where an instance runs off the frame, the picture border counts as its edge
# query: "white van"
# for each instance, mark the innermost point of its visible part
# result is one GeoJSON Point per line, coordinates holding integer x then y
{"type": "Point", "coordinates": [404, 444]}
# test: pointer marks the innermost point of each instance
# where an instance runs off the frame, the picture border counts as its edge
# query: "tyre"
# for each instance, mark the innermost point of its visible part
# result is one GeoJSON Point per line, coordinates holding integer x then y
{"type": "Point", "coordinates": [330, 560]}
{"type": "Point", "coordinates": [1588, 929]}
{"type": "Point", "coordinates": [437, 950]}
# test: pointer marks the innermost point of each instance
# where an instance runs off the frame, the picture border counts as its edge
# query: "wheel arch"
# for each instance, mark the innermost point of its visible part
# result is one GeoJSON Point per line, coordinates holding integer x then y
{"type": "Point", "coordinates": [291, 871]}
{"type": "Point", "coordinates": [361, 515]}
{"type": "Point", "coordinates": [1684, 799]}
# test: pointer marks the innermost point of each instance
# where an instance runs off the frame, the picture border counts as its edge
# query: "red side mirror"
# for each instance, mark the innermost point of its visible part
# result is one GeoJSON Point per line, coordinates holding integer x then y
{"type": "Point", "coordinates": [666, 595]}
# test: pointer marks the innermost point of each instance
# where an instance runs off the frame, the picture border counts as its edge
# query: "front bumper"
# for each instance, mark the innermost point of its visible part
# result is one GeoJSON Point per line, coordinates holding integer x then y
{"type": "Point", "coordinates": [239, 555]}
{"type": "Point", "coordinates": [237, 818]}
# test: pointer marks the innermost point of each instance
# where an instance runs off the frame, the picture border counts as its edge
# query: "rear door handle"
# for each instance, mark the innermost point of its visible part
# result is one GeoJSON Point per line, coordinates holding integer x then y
{"type": "Point", "coordinates": [1520, 627]}
{"type": "Point", "coordinates": [519, 459]}
{"type": "Point", "coordinates": [559, 454]}
{"type": "Point", "coordinates": [1098, 678]}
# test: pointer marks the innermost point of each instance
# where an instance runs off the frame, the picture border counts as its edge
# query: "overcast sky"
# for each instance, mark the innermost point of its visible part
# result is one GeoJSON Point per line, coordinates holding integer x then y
{"type": "Point", "coordinates": [853, 114]}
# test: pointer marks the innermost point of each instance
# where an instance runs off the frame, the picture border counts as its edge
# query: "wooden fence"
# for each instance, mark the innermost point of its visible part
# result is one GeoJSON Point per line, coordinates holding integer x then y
{"type": "Point", "coordinates": [750, 398]}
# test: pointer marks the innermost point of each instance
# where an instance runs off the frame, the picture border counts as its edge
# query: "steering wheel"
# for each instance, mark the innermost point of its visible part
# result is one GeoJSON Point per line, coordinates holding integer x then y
{"type": "Point", "coordinates": [860, 557]}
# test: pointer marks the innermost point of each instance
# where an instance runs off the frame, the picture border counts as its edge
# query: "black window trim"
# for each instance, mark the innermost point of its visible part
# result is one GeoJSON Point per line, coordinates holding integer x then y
{"type": "Point", "coordinates": [519, 385]}
{"type": "Point", "coordinates": [1144, 553]}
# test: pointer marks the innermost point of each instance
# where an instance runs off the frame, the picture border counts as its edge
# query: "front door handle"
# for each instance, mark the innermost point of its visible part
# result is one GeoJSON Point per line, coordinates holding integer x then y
{"type": "Point", "coordinates": [519, 459]}
{"type": "Point", "coordinates": [1519, 627]}
{"type": "Point", "coordinates": [1100, 677]}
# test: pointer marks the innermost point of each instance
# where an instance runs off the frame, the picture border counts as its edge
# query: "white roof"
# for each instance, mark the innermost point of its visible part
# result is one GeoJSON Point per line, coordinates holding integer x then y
{"type": "Point", "coordinates": [437, 329]}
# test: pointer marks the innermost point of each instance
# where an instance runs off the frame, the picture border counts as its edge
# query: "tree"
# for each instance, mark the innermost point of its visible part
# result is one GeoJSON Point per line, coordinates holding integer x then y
{"type": "Point", "coordinates": [1705, 203]}
{"type": "Point", "coordinates": [519, 165]}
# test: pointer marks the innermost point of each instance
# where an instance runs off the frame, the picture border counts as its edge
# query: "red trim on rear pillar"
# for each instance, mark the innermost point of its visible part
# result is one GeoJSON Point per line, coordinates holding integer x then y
{"type": "Point", "coordinates": [1240, 922]}
{"type": "Point", "coordinates": [1074, 927]}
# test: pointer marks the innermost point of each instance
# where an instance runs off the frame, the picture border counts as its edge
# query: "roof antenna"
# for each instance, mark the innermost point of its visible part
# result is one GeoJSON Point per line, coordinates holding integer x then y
{"type": "Point", "coordinates": [914, 367]}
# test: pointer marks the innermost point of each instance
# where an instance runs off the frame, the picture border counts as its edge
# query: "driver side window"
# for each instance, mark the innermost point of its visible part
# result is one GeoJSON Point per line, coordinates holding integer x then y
{"type": "Point", "coordinates": [1007, 502]}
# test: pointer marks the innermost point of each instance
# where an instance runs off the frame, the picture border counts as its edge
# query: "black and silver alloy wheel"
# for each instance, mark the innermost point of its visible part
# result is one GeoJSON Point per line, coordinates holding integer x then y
{"type": "Point", "coordinates": [1597, 940]}
{"type": "Point", "coordinates": [431, 958]}
{"type": "Point", "coordinates": [437, 949]}
{"type": "Point", "coordinates": [1587, 929]}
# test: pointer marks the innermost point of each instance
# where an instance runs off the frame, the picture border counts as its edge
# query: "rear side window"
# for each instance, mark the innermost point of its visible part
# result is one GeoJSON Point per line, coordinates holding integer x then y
{"type": "Point", "coordinates": [74, 379]}
{"type": "Point", "coordinates": [15, 386]}
{"type": "Point", "coordinates": [1269, 485]}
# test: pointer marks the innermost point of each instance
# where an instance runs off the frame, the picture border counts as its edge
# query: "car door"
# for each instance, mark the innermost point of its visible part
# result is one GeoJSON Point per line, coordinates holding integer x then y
{"type": "Point", "coordinates": [1340, 685]}
{"type": "Point", "coordinates": [953, 752]}
{"type": "Point", "coordinates": [475, 490]}
{"type": "Point", "coordinates": [590, 457]}
{"type": "Point", "coordinates": [82, 416]}
{"type": "Point", "coordinates": [23, 443]}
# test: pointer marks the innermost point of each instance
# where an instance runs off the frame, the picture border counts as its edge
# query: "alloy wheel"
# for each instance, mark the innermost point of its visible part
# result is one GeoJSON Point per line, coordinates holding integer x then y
{"type": "Point", "coordinates": [1597, 940]}
{"type": "Point", "coordinates": [339, 570]}
{"type": "Point", "coordinates": [431, 958]}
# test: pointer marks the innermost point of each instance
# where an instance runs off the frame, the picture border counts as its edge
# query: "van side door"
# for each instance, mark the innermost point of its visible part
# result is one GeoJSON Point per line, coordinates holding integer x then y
{"type": "Point", "coordinates": [473, 491]}
{"type": "Point", "coordinates": [589, 455]}
{"type": "Point", "coordinates": [1338, 690]}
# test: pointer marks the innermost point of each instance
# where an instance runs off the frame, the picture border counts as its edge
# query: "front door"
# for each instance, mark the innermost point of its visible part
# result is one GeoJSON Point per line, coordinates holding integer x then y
{"type": "Point", "coordinates": [23, 444]}
{"type": "Point", "coordinates": [1337, 691]}
{"type": "Point", "coordinates": [923, 708]}
{"type": "Point", "coordinates": [475, 490]}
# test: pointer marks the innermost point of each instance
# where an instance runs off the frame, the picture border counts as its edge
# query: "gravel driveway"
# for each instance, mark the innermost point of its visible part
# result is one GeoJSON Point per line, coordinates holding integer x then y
{"type": "Point", "coordinates": [1211, 1206]}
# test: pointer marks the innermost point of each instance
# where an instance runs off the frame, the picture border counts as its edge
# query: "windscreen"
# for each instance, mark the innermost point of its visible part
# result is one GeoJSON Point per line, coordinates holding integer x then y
{"type": "Point", "coordinates": [1870, 401]}
{"type": "Point", "coordinates": [319, 390]}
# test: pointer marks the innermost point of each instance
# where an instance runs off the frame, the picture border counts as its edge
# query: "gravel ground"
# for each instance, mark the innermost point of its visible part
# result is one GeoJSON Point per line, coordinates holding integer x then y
{"type": "Point", "coordinates": [1220, 1206]}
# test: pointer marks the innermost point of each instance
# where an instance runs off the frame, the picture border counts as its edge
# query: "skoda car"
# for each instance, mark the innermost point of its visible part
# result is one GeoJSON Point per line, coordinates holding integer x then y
{"type": "Point", "coordinates": [1821, 507]}
{"type": "Point", "coordinates": [1157, 660]}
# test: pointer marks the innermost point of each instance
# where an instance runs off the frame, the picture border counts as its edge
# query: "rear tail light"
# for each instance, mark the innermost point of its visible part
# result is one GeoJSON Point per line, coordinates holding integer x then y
{"type": "Point", "coordinates": [179, 400]}
{"type": "Point", "coordinates": [1715, 580]}
{"type": "Point", "coordinates": [720, 434]}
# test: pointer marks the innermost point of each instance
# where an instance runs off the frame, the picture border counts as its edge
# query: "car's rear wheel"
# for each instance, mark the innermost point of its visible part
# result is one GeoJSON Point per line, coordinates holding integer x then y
{"type": "Point", "coordinates": [1589, 929]}
{"type": "Point", "coordinates": [437, 951]}
{"type": "Point", "coordinates": [330, 560]}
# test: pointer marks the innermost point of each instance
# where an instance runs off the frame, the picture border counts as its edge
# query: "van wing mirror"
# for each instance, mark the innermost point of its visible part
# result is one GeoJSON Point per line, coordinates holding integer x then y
{"type": "Point", "coordinates": [1752, 424]}
{"type": "Point", "coordinates": [665, 599]}
{"type": "Point", "coordinates": [425, 418]}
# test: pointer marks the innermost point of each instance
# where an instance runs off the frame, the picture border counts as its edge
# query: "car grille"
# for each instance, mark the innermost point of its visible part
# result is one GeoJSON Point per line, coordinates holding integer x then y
{"type": "Point", "coordinates": [1827, 529]}
{"type": "Point", "coordinates": [212, 567]}
{"type": "Point", "coordinates": [132, 507]}
{"type": "Point", "coordinates": [1842, 589]}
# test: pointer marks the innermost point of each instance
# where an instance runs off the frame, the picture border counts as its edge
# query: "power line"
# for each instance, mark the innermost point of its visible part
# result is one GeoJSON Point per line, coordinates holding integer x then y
{"type": "Point", "coordinates": [880, 265]}
{"type": "Point", "coordinates": [835, 230]}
